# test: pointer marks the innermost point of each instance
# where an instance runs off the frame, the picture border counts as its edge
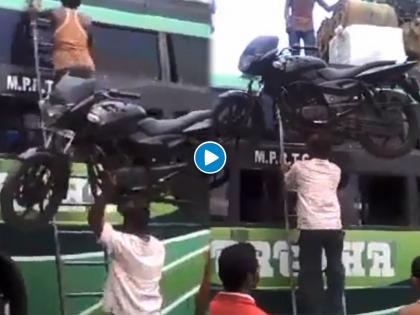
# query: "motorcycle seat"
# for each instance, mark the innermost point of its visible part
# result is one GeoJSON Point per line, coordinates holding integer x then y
{"type": "Point", "coordinates": [154, 127]}
{"type": "Point", "coordinates": [335, 73]}
{"type": "Point", "coordinates": [72, 90]}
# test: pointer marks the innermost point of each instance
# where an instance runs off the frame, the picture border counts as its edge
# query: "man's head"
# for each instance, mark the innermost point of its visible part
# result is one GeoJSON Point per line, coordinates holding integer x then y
{"type": "Point", "coordinates": [238, 268]}
{"type": "Point", "coordinates": [319, 145]}
{"type": "Point", "coordinates": [415, 272]}
{"type": "Point", "coordinates": [135, 212]}
{"type": "Point", "coordinates": [72, 4]}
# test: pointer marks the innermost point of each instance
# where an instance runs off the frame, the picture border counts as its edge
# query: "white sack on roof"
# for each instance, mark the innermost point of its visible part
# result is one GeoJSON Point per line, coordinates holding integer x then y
{"type": "Point", "coordinates": [359, 44]}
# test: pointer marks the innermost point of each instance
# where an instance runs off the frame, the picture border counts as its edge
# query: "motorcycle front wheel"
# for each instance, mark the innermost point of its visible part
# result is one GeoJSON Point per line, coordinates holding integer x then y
{"type": "Point", "coordinates": [33, 191]}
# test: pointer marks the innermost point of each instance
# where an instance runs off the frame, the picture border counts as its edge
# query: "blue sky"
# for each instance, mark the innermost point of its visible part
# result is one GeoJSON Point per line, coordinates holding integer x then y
{"type": "Point", "coordinates": [237, 22]}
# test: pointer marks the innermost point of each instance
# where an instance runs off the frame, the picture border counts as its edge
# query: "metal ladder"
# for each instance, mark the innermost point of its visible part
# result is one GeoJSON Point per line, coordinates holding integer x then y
{"type": "Point", "coordinates": [42, 50]}
{"type": "Point", "coordinates": [62, 263]}
{"type": "Point", "coordinates": [287, 218]}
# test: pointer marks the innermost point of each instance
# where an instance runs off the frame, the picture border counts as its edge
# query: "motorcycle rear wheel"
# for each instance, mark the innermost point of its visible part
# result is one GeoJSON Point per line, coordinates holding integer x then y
{"type": "Point", "coordinates": [18, 189]}
{"type": "Point", "coordinates": [407, 144]}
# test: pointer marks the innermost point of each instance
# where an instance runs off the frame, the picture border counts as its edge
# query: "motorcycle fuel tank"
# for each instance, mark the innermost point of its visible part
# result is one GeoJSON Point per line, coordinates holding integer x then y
{"type": "Point", "coordinates": [111, 118]}
{"type": "Point", "coordinates": [299, 64]}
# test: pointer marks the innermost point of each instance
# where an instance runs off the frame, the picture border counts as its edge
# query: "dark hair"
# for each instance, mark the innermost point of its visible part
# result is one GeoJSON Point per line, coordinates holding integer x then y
{"type": "Point", "coordinates": [72, 4]}
{"type": "Point", "coordinates": [319, 145]}
{"type": "Point", "coordinates": [415, 267]}
{"type": "Point", "coordinates": [135, 213]}
{"type": "Point", "coordinates": [236, 262]}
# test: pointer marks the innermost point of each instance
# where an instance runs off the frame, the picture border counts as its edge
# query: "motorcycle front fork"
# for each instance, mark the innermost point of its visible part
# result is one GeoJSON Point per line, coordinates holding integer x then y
{"type": "Point", "coordinates": [59, 140]}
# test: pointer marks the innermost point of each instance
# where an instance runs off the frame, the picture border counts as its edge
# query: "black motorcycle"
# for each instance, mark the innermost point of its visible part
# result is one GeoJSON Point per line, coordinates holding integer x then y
{"type": "Point", "coordinates": [110, 132]}
{"type": "Point", "coordinates": [372, 103]}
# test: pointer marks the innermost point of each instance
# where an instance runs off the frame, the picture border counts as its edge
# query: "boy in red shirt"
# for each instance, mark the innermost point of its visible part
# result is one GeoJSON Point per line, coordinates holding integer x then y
{"type": "Point", "coordinates": [238, 271]}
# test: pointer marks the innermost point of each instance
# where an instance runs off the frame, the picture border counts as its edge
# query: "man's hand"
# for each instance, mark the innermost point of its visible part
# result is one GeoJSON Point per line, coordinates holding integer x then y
{"type": "Point", "coordinates": [284, 167]}
{"type": "Point", "coordinates": [108, 185]}
{"type": "Point", "coordinates": [338, 6]}
{"type": "Point", "coordinates": [33, 11]}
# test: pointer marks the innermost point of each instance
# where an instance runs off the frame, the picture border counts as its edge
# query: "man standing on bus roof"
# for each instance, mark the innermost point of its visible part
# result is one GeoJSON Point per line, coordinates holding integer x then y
{"type": "Point", "coordinates": [298, 15]}
{"type": "Point", "coordinates": [73, 40]}
{"type": "Point", "coordinates": [413, 309]}
{"type": "Point", "coordinates": [319, 221]}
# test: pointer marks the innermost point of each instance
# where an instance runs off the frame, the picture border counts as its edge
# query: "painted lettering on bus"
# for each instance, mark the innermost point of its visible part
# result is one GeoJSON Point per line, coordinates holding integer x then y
{"type": "Point", "coordinates": [360, 258]}
{"type": "Point", "coordinates": [271, 157]}
{"type": "Point", "coordinates": [27, 84]}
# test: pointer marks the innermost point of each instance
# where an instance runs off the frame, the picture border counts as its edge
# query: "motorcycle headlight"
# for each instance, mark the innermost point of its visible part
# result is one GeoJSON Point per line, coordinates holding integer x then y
{"type": "Point", "coordinates": [93, 118]}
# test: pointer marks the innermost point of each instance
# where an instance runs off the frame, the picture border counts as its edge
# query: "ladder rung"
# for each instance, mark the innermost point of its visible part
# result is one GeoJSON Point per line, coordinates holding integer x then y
{"type": "Point", "coordinates": [84, 263]}
{"type": "Point", "coordinates": [43, 22]}
{"type": "Point", "coordinates": [45, 44]}
{"type": "Point", "coordinates": [84, 294]}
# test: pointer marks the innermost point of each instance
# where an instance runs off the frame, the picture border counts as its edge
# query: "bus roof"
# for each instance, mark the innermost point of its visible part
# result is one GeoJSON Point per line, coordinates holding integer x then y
{"type": "Point", "coordinates": [176, 16]}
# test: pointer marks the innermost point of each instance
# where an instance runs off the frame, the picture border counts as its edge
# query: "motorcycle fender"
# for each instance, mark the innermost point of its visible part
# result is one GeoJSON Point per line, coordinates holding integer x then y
{"type": "Point", "coordinates": [387, 72]}
{"type": "Point", "coordinates": [236, 94]}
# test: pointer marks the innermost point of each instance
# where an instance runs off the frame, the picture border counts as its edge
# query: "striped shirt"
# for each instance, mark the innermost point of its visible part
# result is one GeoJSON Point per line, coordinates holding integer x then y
{"type": "Point", "coordinates": [132, 287]}
{"type": "Point", "coordinates": [316, 182]}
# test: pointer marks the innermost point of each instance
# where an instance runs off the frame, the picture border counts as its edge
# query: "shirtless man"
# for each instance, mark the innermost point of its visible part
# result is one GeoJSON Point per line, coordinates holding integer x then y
{"type": "Point", "coordinates": [413, 309]}
{"type": "Point", "coordinates": [72, 40]}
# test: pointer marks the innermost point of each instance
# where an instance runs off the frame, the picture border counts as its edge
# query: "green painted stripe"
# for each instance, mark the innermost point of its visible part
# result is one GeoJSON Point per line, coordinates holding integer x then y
{"type": "Point", "coordinates": [128, 19]}
{"type": "Point", "coordinates": [182, 278]}
{"type": "Point", "coordinates": [225, 81]}
{"type": "Point", "coordinates": [389, 311]}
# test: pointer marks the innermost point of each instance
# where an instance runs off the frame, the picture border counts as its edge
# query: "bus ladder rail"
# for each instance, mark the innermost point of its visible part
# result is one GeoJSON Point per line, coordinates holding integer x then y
{"type": "Point", "coordinates": [287, 218]}
{"type": "Point", "coordinates": [41, 49]}
{"type": "Point", "coordinates": [62, 263]}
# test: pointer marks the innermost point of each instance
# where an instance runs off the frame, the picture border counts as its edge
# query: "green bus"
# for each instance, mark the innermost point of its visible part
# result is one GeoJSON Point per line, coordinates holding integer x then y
{"type": "Point", "coordinates": [380, 211]}
{"type": "Point", "coordinates": [158, 48]}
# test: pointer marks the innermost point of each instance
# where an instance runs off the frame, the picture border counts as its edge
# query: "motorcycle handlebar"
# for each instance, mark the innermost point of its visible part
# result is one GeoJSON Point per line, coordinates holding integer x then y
{"type": "Point", "coordinates": [305, 48]}
{"type": "Point", "coordinates": [116, 94]}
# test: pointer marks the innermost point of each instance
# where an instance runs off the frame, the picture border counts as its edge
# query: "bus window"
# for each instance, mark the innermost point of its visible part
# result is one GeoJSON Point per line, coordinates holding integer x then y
{"type": "Point", "coordinates": [189, 55]}
{"type": "Point", "coordinates": [128, 52]}
{"type": "Point", "coordinates": [260, 196]}
{"type": "Point", "coordinates": [15, 48]}
{"type": "Point", "coordinates": [219, 203]}
{"type": "Point", "coordinates": [383, 200]}
{"type": "Point", "coordinates": [350, 200]}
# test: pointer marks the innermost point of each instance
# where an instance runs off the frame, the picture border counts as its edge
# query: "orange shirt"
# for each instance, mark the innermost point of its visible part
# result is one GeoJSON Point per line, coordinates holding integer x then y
{"type": "Point", "coordinates": [71, 44]}
{"type": "Point", "coordinates": [302, 15]}
{"type": "Point", "coordinates": [229, 303]}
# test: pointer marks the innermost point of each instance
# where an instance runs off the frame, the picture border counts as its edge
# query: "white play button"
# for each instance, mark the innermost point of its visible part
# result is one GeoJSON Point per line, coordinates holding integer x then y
{"type": "Point", "coordinates": [209, 157]}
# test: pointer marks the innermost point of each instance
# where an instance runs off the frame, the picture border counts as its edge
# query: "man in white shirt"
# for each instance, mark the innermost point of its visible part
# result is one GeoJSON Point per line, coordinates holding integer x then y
{"type": "Point", "coordinates": [132, 287]}
{"type": "Point", "coordinates": [319, 220]}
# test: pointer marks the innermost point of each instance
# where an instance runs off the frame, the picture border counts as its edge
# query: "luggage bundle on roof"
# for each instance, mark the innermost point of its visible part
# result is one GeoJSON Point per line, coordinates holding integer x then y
{"type": "Point", "coordinates": [355, 12]}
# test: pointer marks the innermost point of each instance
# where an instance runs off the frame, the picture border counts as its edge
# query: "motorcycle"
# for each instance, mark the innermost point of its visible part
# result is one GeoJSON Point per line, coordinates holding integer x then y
{"type": "Point", "coordinates": [371, 104]}
{"type": "Point", "coordinates": [111, 133]}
